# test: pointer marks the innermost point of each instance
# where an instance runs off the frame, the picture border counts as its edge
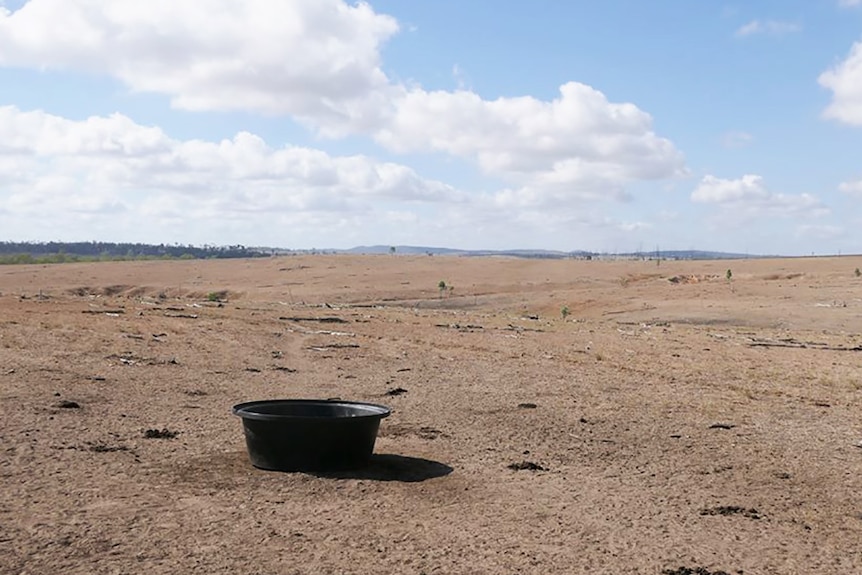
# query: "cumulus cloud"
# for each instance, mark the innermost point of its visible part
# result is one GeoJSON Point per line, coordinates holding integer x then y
{"type": "Point", "coordinates": [319, 61]}
{"type": "Point", "coordinates": [104, 166]}
{"type": "Point", "coordinates": [770, 27]}
{"type": "Point", "coordinates": [845, 81]}
{"type": "Point", "coordinates": [578, 145]}
{"type": "Point", "coordinates": [748, 198]}
{"type": "Point", "coordinates": [719, 191]}
{"type": "Point", "coordinates": [316, 60]}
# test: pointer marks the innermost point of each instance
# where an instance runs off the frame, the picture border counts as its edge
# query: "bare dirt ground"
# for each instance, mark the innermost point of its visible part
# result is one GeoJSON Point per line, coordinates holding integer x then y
{"type": "Point", "coordinates": [672, 423]}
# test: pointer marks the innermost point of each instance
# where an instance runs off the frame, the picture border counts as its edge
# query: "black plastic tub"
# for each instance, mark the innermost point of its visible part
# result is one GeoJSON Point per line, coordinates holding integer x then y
{"type": "Point", "coordinates": [310, 434]}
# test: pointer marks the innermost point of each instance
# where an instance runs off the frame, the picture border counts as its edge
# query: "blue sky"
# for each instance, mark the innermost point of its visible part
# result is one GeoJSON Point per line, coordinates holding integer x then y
{"type": "Point", "coordinates": [609, 126]}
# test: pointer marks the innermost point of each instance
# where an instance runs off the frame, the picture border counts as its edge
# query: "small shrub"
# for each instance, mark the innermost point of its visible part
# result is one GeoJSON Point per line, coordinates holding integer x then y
{"type": "Point", "coordinates": [565, 311]}
{"type": "Point", "coordinates": [857, 273]}
{"type": "Point", "coordinates": [217, 296]}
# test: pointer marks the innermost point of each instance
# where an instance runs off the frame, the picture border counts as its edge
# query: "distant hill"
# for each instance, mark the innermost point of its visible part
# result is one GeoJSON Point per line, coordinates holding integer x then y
{"type": "Point", "coordinates": [694, 255]}
{"type": "Point", "coordinates": [51, 252]}
{"type": "Point", "coordinates": [408, 250]}
{"type": "Point", "coordinates": [433, 251]}
{"type": "Point", "coordinates": [544, 254]}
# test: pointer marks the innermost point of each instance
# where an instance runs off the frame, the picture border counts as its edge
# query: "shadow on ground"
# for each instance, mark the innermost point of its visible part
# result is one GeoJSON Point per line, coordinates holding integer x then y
{"type": "Point", "coordinates": [390, 467]}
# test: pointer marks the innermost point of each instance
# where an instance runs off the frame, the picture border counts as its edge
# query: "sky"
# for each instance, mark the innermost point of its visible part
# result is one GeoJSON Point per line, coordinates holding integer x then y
{"type": "Point", "coordinates": [613, 126]}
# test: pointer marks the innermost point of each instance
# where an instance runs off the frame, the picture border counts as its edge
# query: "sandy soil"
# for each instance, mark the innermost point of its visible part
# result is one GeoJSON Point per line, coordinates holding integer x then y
{"type": "Point", "coordinates": [673, 422]}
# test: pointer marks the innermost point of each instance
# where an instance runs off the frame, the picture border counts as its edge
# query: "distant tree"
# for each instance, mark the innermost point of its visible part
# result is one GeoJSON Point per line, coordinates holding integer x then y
{"type": "Point", "coordinates": [74, 251]}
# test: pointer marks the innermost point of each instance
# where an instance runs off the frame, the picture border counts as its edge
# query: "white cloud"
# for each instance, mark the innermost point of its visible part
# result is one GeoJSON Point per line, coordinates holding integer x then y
{"type": "Point", "coordinates": [770, 27]}
{"type": "Point", "coordinates": [849, 3]}
{"type": "Point", "coordinates": [852, 188]}
{"type": "Point", "coordinates": [748, 198]}
{"type": "Point", "coordinates": [319, 61]}
{"type": "Point", "coordinates": [103, 166]}
{"type": "Point", "coordinates": [316, 60]}
{"type": "Point", "coordinates": [111, 178]}
{"type": "Point", "coordinates": [719, 191]}
{"type": "Point", "coordinates": [579, 145]}
{"type": "Point", "coordinates": [39, 134]}
{"type": "Point", "coordinates": [845, 81]}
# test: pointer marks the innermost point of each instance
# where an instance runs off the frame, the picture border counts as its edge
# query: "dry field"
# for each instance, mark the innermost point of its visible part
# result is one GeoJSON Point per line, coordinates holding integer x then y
{"type": "Point", "coordinates": [672, 423]}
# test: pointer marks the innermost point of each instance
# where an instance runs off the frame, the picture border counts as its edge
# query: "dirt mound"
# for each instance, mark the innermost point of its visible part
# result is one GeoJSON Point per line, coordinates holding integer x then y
{"type": "Point", "coordinates": [152, 292]}
{"type": "Point", "coordinates": [693, 279]}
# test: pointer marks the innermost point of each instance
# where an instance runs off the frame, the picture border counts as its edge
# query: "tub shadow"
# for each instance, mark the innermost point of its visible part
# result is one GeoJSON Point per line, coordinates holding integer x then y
{"type": "Point", "coordinates": [390, 467]}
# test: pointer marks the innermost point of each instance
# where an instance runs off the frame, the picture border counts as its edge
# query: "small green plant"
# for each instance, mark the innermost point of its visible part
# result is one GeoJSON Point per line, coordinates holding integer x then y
{"type": "Point", "coordinates": [442, 287]}
{"type": "Point", "coordinates": [729, 275]}
{"type": "Point", "coordinates": [857, 273]}
{"type": "Point", "coordinates": [565, 312]}
{"type": "Point", "coordinates": [216, 296]}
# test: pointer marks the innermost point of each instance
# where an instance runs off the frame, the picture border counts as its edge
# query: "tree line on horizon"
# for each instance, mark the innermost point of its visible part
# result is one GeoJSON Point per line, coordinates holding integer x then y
{"type": "Point", "coordinates": [58, 252]}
